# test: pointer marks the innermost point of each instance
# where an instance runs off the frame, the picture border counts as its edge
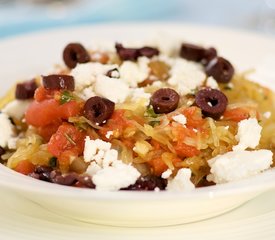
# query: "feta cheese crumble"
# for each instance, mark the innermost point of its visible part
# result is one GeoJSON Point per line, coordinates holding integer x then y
{"type": "Point", "coordinates": [112, 88]}
{"type": "Point", "coordinates": [109, 134]}
{"type": "Point", "coordinates": [108, 173]}
{"type": "Point", "coordinates": [212, 83]}
{"type": "Point", "coordinates": [267, 115]}
{"type": "Point", "coordinates": [237, 165]}
{"type": "Point", "coordinates": [166, 174]}
{"type": "Point", "coordinates": [16, 108]}
{"type": "Point", "coordinates": [249, 134]}
{"type": "Point", "coordinates": [181, 182]}
{"type": "Point", "coordinates": [180, 119]}
{"type": "Point", "coordinates": [133, 73]}
{"type": "Point", "coordinates": [86, 74]}
{"type": "Point", "coordinates": [140, 94]}
{"type": "Point", "coordinates": [186, 76]}
{"type": "Point", "coordinates": [6, 129]}
{"type": "Point", "coordinates": [115, 177]}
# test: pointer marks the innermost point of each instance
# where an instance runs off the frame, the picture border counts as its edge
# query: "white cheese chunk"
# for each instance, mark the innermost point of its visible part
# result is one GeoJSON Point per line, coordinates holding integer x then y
{"type": "Point", "coordinates": [6, 130]}
{"type": "Point", "coordinates": [93, 149]}
{"type": "Point", "coordinates": [109, 134]}
{"type": "Point", "coordinates": [139, 94]}
{"type": "Point", "coordinates": [186, 76]}
{"type": "Point", "coordinates": [237, 165]}
{"type": "Point", "coordinates": [180, 119]}
{"type": "Point", "coordinates": [166, 174]}
{"type": "Point", "coordinates": [112, 88]}
{"type": "Point", "coordinates": [212, 83]}
{"type": "Point", "coordinates": [16, 108]}
{"type": "Point", "coordinates": [108, 173]}
{"type": "Point", "coordinates": [115, 177]}
{"type": "Point", "coordinates": [267, 115]}
{"type": "Point", "coordinates": [86, 74]}
{"type": "Point", "coordinates": [133, 73]}
{"type": "Point", "coordinates": [181, 182]}
{"type": "Point", "coordinates": [249, 134]}
{"type": "Point", "coordinates": [86, 93]}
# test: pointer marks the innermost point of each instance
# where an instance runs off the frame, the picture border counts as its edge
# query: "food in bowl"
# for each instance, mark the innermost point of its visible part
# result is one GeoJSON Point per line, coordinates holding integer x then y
{"type": "Point", "coordinates": [139, 118]}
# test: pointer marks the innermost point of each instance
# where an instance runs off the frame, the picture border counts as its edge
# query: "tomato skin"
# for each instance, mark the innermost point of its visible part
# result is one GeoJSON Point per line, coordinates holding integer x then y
{"type": "Point", "coordinates": [25, 167]}
{"type": "Point", "coordinates": [158, 166]}
{"type": "Point", "coordinates": [240, 113]}
{"type": "Point", "coordinates": [47, 131]}
{"type": "Point", "coordinates": [193, 116]}
{"type": "Point", "coordinates": [184, 150]}
{"type": "Point", "coordinates": [49, 111]}
{"type": "Point", "coordinates": [118, 122]}
{"type": "Point", "coordinates": [67, 137]}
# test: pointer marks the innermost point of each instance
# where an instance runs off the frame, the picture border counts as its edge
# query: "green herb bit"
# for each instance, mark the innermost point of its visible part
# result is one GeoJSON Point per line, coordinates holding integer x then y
{"type": "Point", "coordinates": [53, 162]}
{"type": "Point", "coordinates": [154, 123]}
{"type": "Point", "coordinates": [66, 96]}
{"type": "Point", "coordinates": [69, 138]}
{"type": "Point", "coordinates": [150, 112]}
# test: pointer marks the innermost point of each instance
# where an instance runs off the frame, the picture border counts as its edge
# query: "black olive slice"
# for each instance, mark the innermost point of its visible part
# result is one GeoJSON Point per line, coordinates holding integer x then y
{"type": "Point", "coordinates": [98, 110]}
{"type": "Point", "coordinates": [75, 53]}
{"type": "Point", "coordinates": [220, 69]}
{"type": "Point", "coordinates": [164, 100]}
{"type": "Point", "coordinates": [57, 82]}
{"type": "Point", "coordinates": [212, 102]}
{"type": "Point", "coordinates": [25, 90]}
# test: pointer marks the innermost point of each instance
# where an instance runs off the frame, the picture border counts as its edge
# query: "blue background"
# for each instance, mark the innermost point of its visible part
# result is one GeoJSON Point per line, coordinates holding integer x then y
{"type": "Point", "coordinates": [21, 16]}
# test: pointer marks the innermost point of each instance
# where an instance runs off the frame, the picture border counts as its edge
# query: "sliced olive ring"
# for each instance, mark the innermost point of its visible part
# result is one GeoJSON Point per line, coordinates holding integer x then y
{"type": "Point", "coordinates": [98, 110]}
{"type": "Point", "coordinates": [75, 53]}
{"type": "Point", "coordinates": [148, 52]}
{"type": "Point", "coordinates": [196, 53]}
{"type": "Point", "coordinates": [220, 69]}
{"type": "Point", "coordinates": [58, 82]}
{"type": "Point", "coordinates": [113, 73]}
{"type": "Point", "coordinates": [212, 102]}
{"type": "Point", "coordinates": [164, 100]}
{"type": "Point", "coordinates": [25, 90]}
{"type": "Point", "coordinates": [130, 54]}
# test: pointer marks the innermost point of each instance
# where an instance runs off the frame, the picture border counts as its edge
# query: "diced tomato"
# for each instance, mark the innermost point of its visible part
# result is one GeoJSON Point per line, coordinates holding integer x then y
{"type": "Point", "coordinates": [194, 117]}
{"type": "Point", "coordinates": [25, 167]}
{"type": "Point", "coordinates": [65, 157]}
{"type": "Point", "coordinates": [184, 150]}
{"type": "Point", "coordinates": [47, 131]}
{"type": "Point", "coordinates": [40, 114]}
{"type": "Point", "coordinates": [42, 93]}
{"type": "Point", "coordinates": [240, 113]}
{"type": "Point", "coordinates": [159, 166]}
{"type": "Point", "coordinates": [181, 132]}
{"type": "Point", "coordinates": [117, 122]}
{"type": "Point", "coordinates": [67, 137]}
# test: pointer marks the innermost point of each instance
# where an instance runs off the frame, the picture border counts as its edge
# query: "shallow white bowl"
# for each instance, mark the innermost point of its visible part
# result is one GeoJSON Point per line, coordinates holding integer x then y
{"type": "Point", "coordinates": [33, 54]}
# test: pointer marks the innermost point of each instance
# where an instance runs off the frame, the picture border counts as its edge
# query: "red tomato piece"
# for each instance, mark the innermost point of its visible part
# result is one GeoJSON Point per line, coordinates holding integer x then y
{"type": "Point", "coordinates": [67, 137]}
{"type": "Point", "coordinates": [49, 111]}
{"type": "Point", "coordinates": [184, 150]}
{"type": "Point", "coordinates": [25, 167]}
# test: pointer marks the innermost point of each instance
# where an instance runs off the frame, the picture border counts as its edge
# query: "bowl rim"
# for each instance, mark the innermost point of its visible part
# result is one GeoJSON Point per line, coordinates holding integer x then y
{"type": "Point", "coordinates": [20, 183]}
{"type": "Point", "coordinates": [15, 180]}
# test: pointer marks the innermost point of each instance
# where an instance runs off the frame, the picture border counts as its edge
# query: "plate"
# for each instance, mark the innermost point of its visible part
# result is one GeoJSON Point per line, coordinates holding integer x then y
{"type": "Point", "coordinates": [25, 56]}
{"type": "Point", "coordinates": [26, 220]}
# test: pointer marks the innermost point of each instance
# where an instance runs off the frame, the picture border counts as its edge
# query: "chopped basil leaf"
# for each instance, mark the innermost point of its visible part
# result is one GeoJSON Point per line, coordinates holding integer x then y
{"type": "Point", "coordinates": [53, 162]}
{"type": "Point", "coordinates": [66, 96]}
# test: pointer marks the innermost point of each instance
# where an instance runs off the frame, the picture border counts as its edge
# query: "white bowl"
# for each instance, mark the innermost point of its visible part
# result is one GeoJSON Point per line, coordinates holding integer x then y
{"type": "Point", "coordinates": [33, 54]}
